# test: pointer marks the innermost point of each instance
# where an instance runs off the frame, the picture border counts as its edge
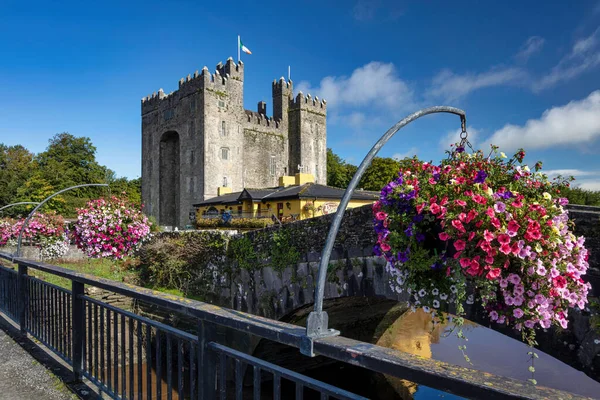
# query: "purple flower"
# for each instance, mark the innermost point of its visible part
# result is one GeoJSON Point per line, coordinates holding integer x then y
{"type": "Point", "coordinates": [420, 237]}
{"type": "Point", "coordinates": [403, 256]}
{"type": "Point", "coordinates": [460, 149]}
{"type": "Point", "coordinates": [480, 178]}
{"type": "Point", "coordinates": [500, 207]}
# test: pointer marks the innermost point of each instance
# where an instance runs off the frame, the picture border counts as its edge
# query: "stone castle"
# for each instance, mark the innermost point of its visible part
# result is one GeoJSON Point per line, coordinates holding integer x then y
{"type": "Point", "coordinates": [200, 138]}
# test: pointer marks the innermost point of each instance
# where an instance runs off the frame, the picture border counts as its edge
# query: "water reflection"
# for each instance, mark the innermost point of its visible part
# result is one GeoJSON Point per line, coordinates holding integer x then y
{"type": "Point", "coordinates": [488, 350]}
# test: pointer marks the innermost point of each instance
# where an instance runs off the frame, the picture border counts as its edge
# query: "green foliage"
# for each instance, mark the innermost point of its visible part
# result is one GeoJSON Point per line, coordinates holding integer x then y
{"type": "Point", "coordinates": [581, 196]}
{"type": "Point", "coordinates": [181, 261]}
{"type": "Point", "coordinates": [380, 172]}
{"type": "Point", "coordinates": [339, 172]}
{"type": "Point", "coordinates": [283, 251]}
{"type": "Point", "coordinates": [235, 223]}
{"type": "Point", "coordinates": [242, 250]}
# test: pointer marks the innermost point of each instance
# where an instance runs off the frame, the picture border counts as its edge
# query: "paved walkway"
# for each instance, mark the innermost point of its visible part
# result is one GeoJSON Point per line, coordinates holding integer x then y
{"type": "Point", "coordinates": [22, 377]}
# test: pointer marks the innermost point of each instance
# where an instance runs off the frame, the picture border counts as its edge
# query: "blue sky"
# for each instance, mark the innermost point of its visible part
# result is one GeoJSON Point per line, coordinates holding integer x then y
{"type": "Point", "coordinates": [527, 73]}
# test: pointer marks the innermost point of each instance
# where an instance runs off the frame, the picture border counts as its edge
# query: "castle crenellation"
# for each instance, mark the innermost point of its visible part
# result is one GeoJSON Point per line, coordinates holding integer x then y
{"type": "Point", "coordinates": [200, 137]}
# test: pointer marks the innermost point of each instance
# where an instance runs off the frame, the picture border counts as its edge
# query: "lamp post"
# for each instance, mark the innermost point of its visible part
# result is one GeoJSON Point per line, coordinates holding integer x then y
{"type": "Point", "coordinates": [26, 222]}
{"type": "Point", "coordinates": [318, 320]}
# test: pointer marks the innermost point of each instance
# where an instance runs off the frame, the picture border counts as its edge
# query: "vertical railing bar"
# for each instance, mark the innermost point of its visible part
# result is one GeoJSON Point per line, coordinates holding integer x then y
{"type": "Point", "coordinates": [169, 368]}
{"type": "Point", "coordinates": [45, 314]}
{"type": "Point", "coordinates": [109, 384]}
{"type": "Point", "coordinates": [139, 359]}
{"type": "Point", "coordinates": [179, 368]}
{"type": "Point", "coordinates": [222, 376]}
{"type": "Point", "coordinates": [102, 355]}
{"type": "Point", "coordinates": [192, 353]}
{"type": "Point", "coordinates": [257, 382]}
{"type": "Point", "coordinates": [116, 353]}
{"type": "Point", "coordinates": [78, 335]}
{"type": "Point", "coordinates": [22, 302]}
{"type": "Point", "coordinates": [54, 319]}
{"type": "Point", "coordinates": [238, 379]}
{"type": "Point", "coordinates": [64, 324]}
{"type": "Point", "coordinates": [123, 363]}
{"type": "Point", "coordinates": [276, 386]}
{"type": "Point", "coordinates": [69, 324]}
{"type": "Point", "coordinates": [131, 360]}
{"type": "Point", "coordinates": [90, 342]}
{"type": "Point", "coordinates": [299, 391]}
{"type": "Point", "coordinates": [96, 336]}
{"type": "Point", "coordinates": [158, 340]}
{"type": "Point", "coordinates": [59, 322]}
{"type": "Point", "coordinates": [149, 361]}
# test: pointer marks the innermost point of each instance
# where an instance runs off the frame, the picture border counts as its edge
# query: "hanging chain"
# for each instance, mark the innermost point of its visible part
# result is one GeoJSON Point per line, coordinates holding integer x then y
{"type": "Point", "coordinates": [464, 141]}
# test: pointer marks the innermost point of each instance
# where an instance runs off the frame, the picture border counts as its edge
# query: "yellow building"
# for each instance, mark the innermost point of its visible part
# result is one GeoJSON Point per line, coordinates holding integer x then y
{"type": "Point", "coordinates": [297, 197]}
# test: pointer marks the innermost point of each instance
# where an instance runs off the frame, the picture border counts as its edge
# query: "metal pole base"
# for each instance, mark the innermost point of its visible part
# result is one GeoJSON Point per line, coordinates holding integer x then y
{"type": "Point", "coordinates": [316, 327]}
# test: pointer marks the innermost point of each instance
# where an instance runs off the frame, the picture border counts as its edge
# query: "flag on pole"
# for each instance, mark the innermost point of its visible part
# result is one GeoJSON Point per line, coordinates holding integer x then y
{"type": "Point", "coordinates": [244, 48]}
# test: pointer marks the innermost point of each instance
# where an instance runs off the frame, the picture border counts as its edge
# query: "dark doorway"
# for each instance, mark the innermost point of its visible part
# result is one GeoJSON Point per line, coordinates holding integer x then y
{"type": "Point", "coordinates": [169, 179]}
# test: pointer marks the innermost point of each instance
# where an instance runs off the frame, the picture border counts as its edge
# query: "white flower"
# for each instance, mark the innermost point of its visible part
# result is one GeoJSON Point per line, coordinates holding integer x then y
{"type": "Point", "coordinates": [502, 154]}
{"type": "Point", "coordinates": [453, 289]}
{"type": "Point", "coordinates": [436, 304]}
{"type": "Point", "coordinates": [470, 299]}
{"type": "Point", "coordinates": [443, 296]}
{"type": "Point", "coordinates": [426, 309]}
{"type": "Point", "coordinates": [526, 168]}
{"type": "Point", "coordinates": [422, 292]}
{"type": "Point", "coordinates": [435, 292]}
{"type": "Point", "coordinates": [413, 309]}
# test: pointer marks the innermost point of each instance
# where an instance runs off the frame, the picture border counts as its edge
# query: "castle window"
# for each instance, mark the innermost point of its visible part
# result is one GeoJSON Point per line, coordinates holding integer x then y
{"type": "Point", "coordinates": [225, 181]}
{"type": "Point", "coordinates": [224, 153]}
{"type": "Point", "coordinates": [223, 129]}
{"type": "Point", "coordinates": [221, 103]}
{"type": "Point", "coordinates": [168, 114]}
{"type": "Point", "coordinates": [272, 165]}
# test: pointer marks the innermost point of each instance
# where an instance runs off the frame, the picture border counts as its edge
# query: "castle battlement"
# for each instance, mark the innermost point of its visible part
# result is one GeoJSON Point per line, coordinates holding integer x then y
{"type": "Point", "coordinates": [262, 120]}
{"type": "Point", "coordinates": [308, 102]}
{"type": "Point", "coordinates": [218, 81]}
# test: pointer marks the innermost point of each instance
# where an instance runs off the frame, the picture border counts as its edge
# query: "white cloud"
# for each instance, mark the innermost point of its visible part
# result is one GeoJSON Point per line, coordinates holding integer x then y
{"type": "Point", "coordinates": [588, 185]}
{"type": "Point", "coordinates": [451, 86]}
{"type": "Point", "coordinates": [375, 83]}
{"type": "Point", "coordinates": [531, 46]}
{"type": "Point", "coordinates": [569, 172]}
{"type": "Point", "coordinates": [575, 123]}
{"type": "Point", "coordinates": [409, 153]}
{"type": "Point", "coordinates": [584, 56]}
{"type": "Point", "coordinates": [453, 137]}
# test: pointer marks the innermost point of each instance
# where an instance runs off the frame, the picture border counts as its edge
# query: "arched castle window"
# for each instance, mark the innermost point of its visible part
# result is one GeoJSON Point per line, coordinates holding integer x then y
{"type": "Point", "coordinates": [224, 153]}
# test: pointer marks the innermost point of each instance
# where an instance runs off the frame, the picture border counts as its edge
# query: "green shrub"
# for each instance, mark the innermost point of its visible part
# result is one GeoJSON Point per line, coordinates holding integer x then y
{"type": "Point", "coordinates": [235, 223]}
{"type": "Point", "coordinates": [181, 261]}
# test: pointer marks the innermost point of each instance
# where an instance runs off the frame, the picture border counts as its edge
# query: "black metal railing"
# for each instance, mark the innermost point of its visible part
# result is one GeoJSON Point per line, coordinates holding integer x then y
{"type": "Point", "coordinates": [129, 356]}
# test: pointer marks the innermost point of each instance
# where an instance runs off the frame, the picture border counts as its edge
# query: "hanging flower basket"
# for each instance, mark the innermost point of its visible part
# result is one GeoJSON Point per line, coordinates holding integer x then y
{"type": "Point", "coordinates": [110, 228]}
{"type": "Point", "coordinates": [486, 223]}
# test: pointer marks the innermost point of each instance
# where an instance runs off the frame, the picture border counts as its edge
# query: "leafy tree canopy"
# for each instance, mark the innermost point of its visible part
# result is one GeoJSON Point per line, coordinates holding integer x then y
{"type": "Point", "coordinates": [67, 161]}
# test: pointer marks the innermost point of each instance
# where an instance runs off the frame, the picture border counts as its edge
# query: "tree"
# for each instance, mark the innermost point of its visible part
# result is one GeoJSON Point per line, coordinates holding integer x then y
{"type": "Point", "coordinates": [379, 173]}
{"type": "Point", "coordinates": [339, 173]}
{"type": "Point", "coordinates": [16, 167]}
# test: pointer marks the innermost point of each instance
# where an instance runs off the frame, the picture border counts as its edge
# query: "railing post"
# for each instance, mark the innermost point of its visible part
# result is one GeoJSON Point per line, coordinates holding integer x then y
{"type": "Point", "coordinates": [23, 297]}
{"type": "Point", "coordinates": [78, 318]}
{"type": "Point", "coordinates": [207, 370]}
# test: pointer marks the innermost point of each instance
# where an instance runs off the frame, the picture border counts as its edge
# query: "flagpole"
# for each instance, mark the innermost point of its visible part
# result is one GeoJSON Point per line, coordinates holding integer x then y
{"type": "Point", "coordinates": [289, 72]}
{"type": "Point", "coordinates": [238, 48]}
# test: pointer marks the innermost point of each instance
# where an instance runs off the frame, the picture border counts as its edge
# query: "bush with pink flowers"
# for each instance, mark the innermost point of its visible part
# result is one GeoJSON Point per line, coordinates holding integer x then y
{"type": "Point", "coordinates": [45, 231]}
{"type": "Point", "coordinates": [110, 228]}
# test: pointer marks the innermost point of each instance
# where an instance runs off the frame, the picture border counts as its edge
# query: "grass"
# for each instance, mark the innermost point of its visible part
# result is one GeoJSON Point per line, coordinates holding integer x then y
{"type": "Point", "coordinates": [116, 270]}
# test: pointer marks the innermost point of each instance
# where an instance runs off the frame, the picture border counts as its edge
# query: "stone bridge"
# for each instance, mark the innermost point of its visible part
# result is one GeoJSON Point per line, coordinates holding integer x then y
{"type": "Point", "coordinates": [274, 289]}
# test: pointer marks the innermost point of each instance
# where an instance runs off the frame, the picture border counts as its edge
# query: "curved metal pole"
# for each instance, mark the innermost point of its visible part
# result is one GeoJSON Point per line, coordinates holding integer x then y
{"type": "Point", "coordinates": [18, 204]}
{"type": "Point", "coordinates": [317, 322]}
{"type": "Point", "coordinates": [26, 222]}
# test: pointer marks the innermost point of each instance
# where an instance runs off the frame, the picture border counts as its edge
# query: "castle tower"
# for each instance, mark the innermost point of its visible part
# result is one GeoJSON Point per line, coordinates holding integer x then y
{"type": "Point", "coordinates": [308, 136]}
{"type": "Point", "coordinates": [199, 138]}
{"type": "Point", "coordinates": [282, 94]}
